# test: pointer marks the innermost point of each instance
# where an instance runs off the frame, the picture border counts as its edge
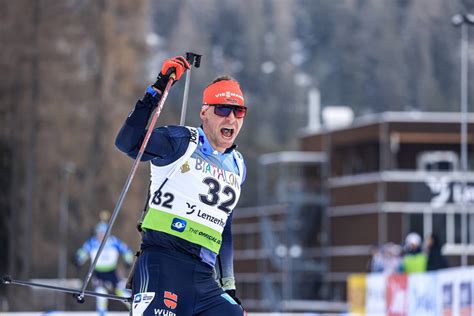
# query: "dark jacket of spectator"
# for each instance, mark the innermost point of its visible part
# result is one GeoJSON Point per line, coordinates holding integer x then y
{"type": "Point", "coordinates": [435, 259]}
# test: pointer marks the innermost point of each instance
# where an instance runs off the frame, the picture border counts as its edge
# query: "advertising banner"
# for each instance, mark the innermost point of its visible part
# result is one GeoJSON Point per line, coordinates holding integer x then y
{"type": "Point", "coordinates": [397, 295]}
{"type": "Point", "coordinates": [447, 292]}
{"type": "Point", "coordinates": [465, 287]}
{"type": "Point", "coordinates": [422, 294]}
{"type": "Point", "coordinates": [465, 296]}
{"type": "Point", "coordinates": [375, 294]}
{"type": "Point", "coordinates": [356, 293]}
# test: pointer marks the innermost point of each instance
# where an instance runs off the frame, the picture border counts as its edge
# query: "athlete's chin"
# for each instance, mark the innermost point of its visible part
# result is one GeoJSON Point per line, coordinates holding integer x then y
{"type": "Point", "coordinates": [226, 143]}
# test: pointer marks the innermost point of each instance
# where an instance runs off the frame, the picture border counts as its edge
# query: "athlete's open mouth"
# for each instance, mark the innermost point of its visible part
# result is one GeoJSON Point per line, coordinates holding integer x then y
{"type": "Point", "coordinates": [227, 132]}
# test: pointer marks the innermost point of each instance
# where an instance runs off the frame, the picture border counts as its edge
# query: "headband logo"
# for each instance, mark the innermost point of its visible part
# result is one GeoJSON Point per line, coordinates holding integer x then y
{"type": "Point", "coordinates": [228, 95]}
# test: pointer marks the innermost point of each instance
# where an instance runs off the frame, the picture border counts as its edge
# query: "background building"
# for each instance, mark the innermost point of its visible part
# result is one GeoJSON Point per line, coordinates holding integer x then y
{"type": "Point", "coordinates": [373, 182]}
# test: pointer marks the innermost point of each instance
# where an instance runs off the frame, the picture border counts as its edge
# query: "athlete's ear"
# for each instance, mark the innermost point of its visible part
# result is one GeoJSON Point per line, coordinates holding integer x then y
{"type": "Point", "coordinates": [202, 113]}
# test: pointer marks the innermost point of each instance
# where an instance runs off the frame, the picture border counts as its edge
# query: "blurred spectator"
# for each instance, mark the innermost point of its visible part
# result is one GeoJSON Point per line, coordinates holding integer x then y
{"type": "Point", "coordinates": [385, 258]}
{"type": "Point", "coordinates": [414, 260]}
{"type": "Point", "coordinates": [391, 257]}
{"type": "Point", "coordinates": [435, 259]}
{"type": "Point", "coordinates": [376, 262]}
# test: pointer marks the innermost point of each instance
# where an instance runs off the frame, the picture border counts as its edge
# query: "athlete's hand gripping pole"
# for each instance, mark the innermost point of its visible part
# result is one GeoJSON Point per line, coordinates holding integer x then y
{"type": "Point", "coordinates": [193, 60]}
{"type": "Point", "coordinates": [156, 114]}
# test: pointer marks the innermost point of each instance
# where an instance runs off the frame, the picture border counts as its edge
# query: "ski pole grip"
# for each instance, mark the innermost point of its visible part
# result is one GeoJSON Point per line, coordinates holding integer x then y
{"type": "Point", "coordinates": [193, 59]}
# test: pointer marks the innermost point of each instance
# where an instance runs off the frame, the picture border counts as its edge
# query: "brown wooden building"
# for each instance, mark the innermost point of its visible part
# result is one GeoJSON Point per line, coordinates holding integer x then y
{"type": "Point", "coordinates": [375, 181]}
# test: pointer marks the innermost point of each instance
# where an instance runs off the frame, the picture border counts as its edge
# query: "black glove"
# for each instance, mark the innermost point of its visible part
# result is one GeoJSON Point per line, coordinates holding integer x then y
{"type": "Point", "coordinates": [177, 65]}
{"type": "Point", "coordinates": [234, 296]}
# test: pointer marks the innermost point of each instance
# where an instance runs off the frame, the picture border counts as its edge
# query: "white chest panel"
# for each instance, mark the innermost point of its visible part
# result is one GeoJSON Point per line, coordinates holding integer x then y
{"type": "Point", "coordinates": [199, 191]}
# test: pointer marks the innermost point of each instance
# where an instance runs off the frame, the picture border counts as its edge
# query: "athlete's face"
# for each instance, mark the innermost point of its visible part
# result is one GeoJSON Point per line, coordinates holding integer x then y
{"type": "Point", "coordinates": [220, 131]}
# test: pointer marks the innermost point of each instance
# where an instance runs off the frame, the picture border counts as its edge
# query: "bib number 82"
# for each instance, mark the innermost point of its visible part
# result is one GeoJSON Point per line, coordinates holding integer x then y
{"type": "Point", "coordinates": [212, 196]}
{"type": "Point", "coordinates": [166, 201]}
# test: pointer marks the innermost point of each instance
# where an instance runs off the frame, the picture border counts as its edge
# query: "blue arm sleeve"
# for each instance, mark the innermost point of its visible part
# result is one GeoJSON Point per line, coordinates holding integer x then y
{"type": "Point", "coordinates": [82, 254]}
{"type": "Point", "coordinates": [225, 259]}
{"type": "Point", "coordinates": [132, 133]}
{"type": "Point", "coordinates": [123, 250]}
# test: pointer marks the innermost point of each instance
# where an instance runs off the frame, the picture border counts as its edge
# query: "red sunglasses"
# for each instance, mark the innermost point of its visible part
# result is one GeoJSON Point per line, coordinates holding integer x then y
{"type": "Point", "coordinates": [224, 110]}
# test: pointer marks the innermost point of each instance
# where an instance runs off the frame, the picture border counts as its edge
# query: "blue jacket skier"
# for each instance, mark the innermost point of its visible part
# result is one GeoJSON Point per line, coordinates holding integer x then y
{"type": "Point", "coordinates": [105, 274]}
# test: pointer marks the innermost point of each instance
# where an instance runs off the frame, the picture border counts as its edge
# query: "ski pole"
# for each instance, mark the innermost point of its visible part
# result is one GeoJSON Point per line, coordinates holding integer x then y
{"type": "Point", "coordinates": [193, 59]}
{"type": "Point", "coordinates": [156, 114]}
{"type": "Point", "coordinates": [8, 280]}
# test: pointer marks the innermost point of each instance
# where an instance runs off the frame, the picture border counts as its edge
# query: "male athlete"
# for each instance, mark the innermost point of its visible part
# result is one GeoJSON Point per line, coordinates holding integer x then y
{"type": "Point", "coordinates": [186, 262]}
